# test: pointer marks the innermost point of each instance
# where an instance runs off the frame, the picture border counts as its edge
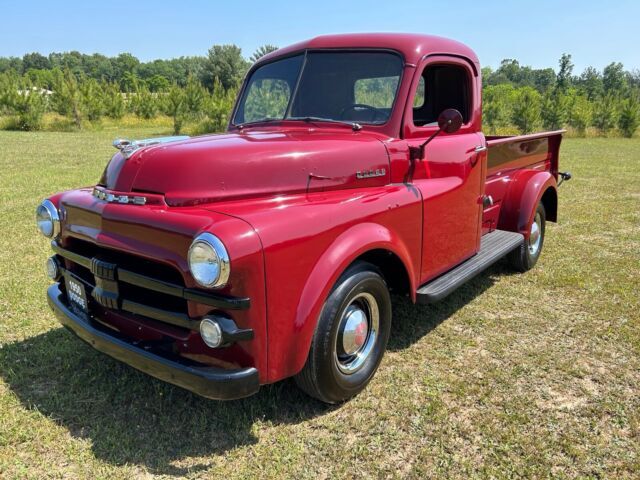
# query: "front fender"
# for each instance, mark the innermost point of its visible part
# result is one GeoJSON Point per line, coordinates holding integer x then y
{"type": "Point", "coordinates": [343, 251]}
{"type": "Point", "coordinates": [518, 208]}
{"type": "Point", "coordinates": [309, 240]}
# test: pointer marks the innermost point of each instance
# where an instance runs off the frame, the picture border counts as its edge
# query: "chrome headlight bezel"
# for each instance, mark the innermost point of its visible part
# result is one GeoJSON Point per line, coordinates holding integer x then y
{"type": "Point", "coordinates": [210, 332]}
{"type": "Point", "coordinates": [53, 268]}
{"type": "Point", "coordinates": [218, 258]}
{"type": "Point", "coordinates": [52, 215]}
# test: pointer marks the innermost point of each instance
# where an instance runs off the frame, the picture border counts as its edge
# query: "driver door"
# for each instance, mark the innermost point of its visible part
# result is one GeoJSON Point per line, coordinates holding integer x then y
{"type": "Point", "coordinates": [451, 175]}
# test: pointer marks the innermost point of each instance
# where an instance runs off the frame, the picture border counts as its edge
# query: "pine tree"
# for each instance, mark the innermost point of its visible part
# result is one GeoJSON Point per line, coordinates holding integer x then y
{"type": "Point", "coordinates": [67, 96]}
{"type": "Point", "coordinates": [194, 97]}
{"type": "Point", "coordinates": [92, 99]}
{"type": "Point", "coordinates": [113, 101]}
{"type": "Point", "coordinates": [28, 104]}
{"type": "Point", "coordinates": [526, 110]}
{"type": "Point", "coordinates": [554, 110]}
{"type": "Point", "coordinates": [629, 117]}
{"type": "Point", "coordinates": [261, 52]}
{"type": "Point", "coordinates": [497, 100]}
{"type": "Point", "coordinates": [176, 107]}
{"type": "Point", "coordinates": [604, 114]}
{"type": "Point", "coordinates": [144, 102]}
{"type": "Point", "coordinates": [580, 113]}
{"type": "Point", "coordinates": [218, 108]}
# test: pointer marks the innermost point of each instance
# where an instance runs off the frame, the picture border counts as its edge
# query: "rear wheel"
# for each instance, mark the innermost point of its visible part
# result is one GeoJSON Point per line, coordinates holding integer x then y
{"type": "Point", "coordinates": [350, 338]}
{"type": "Point", "coordinates": [526, 256]}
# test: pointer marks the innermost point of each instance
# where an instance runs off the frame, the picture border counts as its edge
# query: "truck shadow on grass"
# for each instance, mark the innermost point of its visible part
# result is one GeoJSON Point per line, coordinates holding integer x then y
{"type": "Point", "coordinates": [130, 418]}
{"type": "Point", "coordinates": [412, 322]}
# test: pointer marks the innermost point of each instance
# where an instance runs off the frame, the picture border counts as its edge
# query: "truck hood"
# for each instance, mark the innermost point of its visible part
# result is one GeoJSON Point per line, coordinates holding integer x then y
{"type": "Point", "coordinates": [249, 164]}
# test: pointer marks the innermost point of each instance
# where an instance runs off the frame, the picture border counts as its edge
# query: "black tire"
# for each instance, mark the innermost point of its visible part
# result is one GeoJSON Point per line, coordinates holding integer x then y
{"type": "Point", "coordinates": [323, 375]}
{"type": "Point", "coordinates": [525, 257]}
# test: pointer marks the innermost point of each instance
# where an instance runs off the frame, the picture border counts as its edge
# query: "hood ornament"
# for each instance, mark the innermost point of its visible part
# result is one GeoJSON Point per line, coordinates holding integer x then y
{"type": "Point", "coordinates": [128, 147]}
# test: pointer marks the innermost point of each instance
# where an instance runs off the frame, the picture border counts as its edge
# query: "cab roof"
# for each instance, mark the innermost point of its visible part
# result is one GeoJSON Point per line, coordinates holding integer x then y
{"type": "Point", "coordinates": [411, 46]}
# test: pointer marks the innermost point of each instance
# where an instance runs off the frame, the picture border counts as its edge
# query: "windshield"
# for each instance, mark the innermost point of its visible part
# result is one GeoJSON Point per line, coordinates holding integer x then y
{"type": "Point", "coordinates": [325, 86]}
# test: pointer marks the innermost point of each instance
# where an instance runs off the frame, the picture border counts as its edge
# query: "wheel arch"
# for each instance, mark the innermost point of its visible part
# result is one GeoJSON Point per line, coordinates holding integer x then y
{"type": "Point", "coordinates": [527, 189]}
{"type": "Point", "coordinates": [368, 242]}
{"type": "Point", "coordinates": [391, 267]}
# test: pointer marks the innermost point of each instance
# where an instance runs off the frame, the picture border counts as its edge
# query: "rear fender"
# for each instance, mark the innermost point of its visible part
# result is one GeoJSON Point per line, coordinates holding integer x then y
{"type": "Point", "coordinates": [345, 249]}
{"type": "Point", "coordinates": [525, 192]}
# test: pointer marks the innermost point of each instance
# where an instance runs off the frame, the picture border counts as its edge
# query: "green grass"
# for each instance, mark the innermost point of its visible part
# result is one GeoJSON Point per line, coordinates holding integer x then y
{"type": "Point", "coordinates": [532, 375]}
{"type": "Point", "coordinates": [52, 122]}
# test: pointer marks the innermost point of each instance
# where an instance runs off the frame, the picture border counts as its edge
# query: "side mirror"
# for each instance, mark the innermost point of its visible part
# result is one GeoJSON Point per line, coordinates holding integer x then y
{"type": "Point", "coordinates": [450, 120]}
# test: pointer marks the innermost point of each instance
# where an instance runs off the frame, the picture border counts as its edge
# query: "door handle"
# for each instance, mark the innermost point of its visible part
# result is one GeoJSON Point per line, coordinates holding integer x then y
{"type": "Point", "coordinates": [478, 150]}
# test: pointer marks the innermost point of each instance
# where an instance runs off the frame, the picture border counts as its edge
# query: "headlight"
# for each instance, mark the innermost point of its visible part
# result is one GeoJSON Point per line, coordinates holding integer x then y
{"type": "Point", "coordinates": [48, 219]}
{"type": "Point", "coordinates": [209, 261]}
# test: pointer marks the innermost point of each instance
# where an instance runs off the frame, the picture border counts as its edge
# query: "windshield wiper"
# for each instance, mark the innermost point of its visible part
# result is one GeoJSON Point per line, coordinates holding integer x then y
{"type": "Point", "coordinates": [354, 125]}
{"type": "Point", "coordinates": [256, 122]}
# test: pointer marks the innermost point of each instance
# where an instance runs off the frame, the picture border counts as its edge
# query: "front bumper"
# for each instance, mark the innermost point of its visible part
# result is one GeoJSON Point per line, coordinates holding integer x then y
{"type": "Point", "coordinates": [209, 382]}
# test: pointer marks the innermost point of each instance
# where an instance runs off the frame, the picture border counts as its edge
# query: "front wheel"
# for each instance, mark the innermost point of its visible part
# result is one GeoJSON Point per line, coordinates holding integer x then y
{"type": "Point", "coordinates": [350, 338]}
{"type": "Point", "coordinates": [526, 256]}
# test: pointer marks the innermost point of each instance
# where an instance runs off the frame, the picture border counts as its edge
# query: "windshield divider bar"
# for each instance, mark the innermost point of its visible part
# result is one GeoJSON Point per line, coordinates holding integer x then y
{"type": "Point", "coordinates": [287, 112]}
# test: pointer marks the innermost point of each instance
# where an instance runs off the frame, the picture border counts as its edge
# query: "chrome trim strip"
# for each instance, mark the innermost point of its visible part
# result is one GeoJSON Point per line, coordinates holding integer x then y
{"type": "Point", "coordinates": [225, 264]}
{"type": "Point", "coordinates": [55, 217]}
{"type": "Point", "coordinates": [189, 294]}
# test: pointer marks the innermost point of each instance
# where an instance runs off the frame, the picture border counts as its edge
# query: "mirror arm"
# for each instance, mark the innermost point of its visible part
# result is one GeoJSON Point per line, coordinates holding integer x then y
{"type": "Point", "coordinates": [449, 121]}
{"type": "Point", "coordinates": [417, 152]}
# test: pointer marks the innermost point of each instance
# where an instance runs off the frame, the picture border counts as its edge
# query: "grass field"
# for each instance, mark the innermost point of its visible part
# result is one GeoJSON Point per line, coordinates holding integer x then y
{"type": "Point", "coordinates": [533, 375]}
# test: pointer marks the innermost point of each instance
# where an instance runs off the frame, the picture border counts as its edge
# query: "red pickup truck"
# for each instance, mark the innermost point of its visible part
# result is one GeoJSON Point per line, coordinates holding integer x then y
{"type": "Point", "coordinates": [353, 166]}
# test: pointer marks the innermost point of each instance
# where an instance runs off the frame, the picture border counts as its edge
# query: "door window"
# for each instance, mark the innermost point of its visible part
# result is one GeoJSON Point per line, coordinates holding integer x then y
{"type": "Point", "coordinates": [441, 86]}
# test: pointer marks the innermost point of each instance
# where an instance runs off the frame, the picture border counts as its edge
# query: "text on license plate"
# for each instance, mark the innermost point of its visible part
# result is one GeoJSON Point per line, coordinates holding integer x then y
{"type": "Point", "coordinates": [76, 293]}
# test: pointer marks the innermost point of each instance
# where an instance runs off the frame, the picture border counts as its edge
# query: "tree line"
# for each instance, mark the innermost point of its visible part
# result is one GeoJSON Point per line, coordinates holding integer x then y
{"type": "Point", "coordinates": [85, 88]}
{"type": "Point", "coordinates": [201, 89]}
{"type": "Point", "coordinates": [518, 96]}
{"type": "Point", "coordinates": [222, 61]}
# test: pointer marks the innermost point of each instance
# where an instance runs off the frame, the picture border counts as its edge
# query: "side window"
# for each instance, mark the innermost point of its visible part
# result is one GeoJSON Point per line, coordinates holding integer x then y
{"type": "Point", "coordinates": [418, 100]}
{"type": "Point", "coordinates": [441, 86]}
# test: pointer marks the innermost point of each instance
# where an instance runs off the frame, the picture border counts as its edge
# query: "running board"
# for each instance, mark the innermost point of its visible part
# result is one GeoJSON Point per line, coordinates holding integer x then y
{"type": "Point", "coordinates": [493, 246]}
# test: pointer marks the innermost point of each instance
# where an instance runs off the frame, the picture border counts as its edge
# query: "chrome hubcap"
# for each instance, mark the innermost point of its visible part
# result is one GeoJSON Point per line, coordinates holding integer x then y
{"type": "Point", "coordinates": [355, 330]}
{"type": "Point", "coordinates": [357, 333]}
{"type": "Point", "coordinates": [535, 236]}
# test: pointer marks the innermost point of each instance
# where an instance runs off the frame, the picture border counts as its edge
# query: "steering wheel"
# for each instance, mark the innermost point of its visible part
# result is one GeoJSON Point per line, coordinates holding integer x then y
{"type": "Point", "coordinates": [363, 106]}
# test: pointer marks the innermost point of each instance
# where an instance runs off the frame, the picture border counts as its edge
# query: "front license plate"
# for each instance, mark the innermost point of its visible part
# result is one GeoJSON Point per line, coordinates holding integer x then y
{"type": "Point", "coordinates": [76, 294]}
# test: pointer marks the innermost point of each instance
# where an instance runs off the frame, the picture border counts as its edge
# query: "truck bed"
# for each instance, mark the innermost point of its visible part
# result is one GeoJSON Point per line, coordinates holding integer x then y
{"type": "Point", "coordinates": [536, 150]}
{"type": "Point", "coordinates": [506, 155]}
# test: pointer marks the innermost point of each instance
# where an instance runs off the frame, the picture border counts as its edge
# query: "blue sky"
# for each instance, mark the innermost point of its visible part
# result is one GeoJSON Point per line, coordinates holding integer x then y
{"type": "Point", "coordinates": [537, 33]}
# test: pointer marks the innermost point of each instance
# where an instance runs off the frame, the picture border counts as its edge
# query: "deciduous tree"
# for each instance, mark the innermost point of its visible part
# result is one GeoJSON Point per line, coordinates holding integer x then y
{"type": "Point", "coordinates": [224, 62]}
{"type": "Point", "coordinates": [613, 78]}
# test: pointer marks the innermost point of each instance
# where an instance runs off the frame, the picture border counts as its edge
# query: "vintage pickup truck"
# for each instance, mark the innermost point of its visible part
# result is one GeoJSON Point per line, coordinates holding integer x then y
{"type": "Point", "coordinates": [353, 166]}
